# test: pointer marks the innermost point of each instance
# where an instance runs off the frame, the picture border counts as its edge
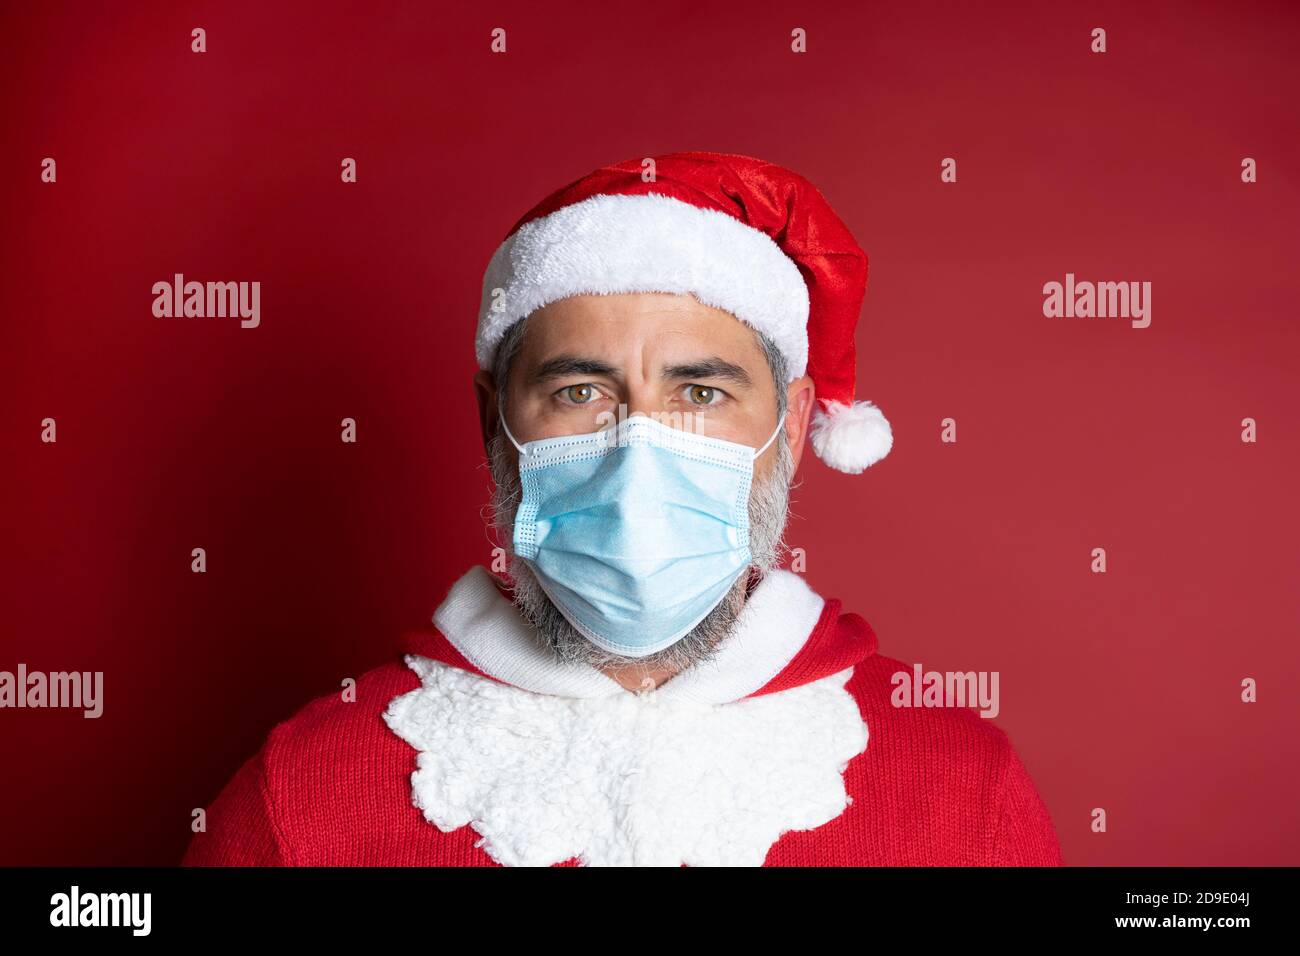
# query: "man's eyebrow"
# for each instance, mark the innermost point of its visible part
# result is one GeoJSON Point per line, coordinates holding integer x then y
{"type": "Point", "coordinates": [563, 365]}
{"type": "Point", "coordinates": [709, 368]}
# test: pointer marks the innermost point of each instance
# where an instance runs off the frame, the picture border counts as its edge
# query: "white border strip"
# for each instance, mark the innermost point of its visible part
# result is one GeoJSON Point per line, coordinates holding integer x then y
{"type": "Point", "coordinates": [646, 243]}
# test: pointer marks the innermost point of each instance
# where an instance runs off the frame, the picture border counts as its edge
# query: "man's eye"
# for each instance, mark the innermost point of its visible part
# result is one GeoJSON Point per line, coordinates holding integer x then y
{"type": "Point", "coordinates": [704, 394]}
{"type": "Point", "coordinates": [580, 394]}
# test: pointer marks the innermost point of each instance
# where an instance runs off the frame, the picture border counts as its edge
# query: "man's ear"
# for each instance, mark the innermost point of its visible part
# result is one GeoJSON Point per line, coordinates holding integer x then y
{"type": "Point", "coordinates": [800, 396]}
{"type": "Point", "coordinates": [485, 391]}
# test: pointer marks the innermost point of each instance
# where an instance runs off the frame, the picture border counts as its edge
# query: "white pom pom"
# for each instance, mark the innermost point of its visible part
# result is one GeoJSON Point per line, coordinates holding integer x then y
{"type": "Point", "coordinates": [851, 438]}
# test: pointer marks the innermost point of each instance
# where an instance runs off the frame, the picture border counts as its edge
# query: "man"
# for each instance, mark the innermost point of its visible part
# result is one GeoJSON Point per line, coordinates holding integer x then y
{"type": "Point", "coordinates": [645, 685]}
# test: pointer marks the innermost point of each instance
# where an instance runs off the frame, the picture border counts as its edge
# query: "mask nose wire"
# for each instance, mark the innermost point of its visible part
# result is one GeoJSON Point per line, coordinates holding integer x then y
{"type": "Point", "coordinates": [501, 417]}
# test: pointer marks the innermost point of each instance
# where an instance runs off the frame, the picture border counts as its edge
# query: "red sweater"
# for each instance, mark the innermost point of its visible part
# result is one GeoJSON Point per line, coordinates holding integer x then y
{"type": "Point", "coordinates": [332, 785]}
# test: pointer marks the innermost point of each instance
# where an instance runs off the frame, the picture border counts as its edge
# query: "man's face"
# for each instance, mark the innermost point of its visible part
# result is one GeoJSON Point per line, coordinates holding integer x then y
{"type": "Point", "coordinates": [656, 354]}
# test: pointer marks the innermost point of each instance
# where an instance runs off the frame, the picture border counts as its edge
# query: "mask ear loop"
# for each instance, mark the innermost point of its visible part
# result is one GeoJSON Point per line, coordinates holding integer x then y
{"type": "Point", "coordinates": [501, 417]}
{"type": "Point", "coordinates": [776, 431]}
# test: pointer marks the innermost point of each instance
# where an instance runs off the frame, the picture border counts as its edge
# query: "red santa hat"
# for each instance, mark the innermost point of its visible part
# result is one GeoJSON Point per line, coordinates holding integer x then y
{"type": "Point", "coordinates": [739, 234]}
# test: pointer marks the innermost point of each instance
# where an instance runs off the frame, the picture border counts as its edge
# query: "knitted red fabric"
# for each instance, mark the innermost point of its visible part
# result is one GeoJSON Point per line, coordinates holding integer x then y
{"type": "Point", "coordinates": [935, 787]}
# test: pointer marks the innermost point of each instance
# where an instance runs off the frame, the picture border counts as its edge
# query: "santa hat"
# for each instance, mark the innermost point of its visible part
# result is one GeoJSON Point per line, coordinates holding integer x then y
{"type": "Point", "coordinates": [738, 233]}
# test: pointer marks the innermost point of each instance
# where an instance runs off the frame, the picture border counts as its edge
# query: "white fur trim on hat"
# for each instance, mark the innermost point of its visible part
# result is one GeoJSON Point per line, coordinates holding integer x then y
{"type": "Point", "coordinates": [646, 243]}
{"type": "Point", "coordinates": [850, 438]}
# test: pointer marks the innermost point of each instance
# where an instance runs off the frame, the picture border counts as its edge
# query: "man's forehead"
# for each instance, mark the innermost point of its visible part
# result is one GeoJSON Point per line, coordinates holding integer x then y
{"type": "Point", "coordinates": [675, 329]}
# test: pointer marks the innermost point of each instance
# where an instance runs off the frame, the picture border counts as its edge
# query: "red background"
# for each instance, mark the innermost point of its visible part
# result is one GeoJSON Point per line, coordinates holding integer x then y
{"type": "Point", "coordinates": [1119, 690]}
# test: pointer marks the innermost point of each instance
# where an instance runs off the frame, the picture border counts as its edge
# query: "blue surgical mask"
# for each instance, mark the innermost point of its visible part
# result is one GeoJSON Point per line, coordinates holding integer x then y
{"type": "Point", "coordinates": [635, 532]}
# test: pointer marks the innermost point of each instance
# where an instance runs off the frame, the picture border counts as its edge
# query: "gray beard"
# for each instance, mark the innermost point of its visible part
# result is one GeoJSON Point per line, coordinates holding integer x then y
{"type": "Point", "coordinates": [769, 500]}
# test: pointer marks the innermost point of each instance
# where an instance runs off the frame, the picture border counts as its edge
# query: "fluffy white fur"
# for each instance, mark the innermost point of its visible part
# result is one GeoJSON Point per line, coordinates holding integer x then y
{"type": "Point", "coordinates": [850, 438]}
{"type": "Point", "coordinates": [646, 243]}
{"type": "Point", "coordinates": [628, 779]}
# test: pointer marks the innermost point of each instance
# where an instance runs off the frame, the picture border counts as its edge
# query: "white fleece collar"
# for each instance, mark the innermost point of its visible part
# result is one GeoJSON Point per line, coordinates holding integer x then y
{"type": "Point", "coordinates": [626, 779]}
{"type": "Point", "coordinates": [488, 630]}
{"type": "Point", "coordinates": [551, 761]}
